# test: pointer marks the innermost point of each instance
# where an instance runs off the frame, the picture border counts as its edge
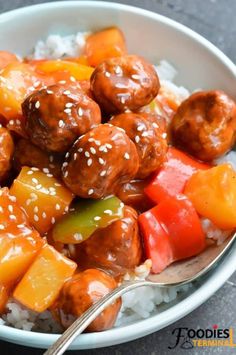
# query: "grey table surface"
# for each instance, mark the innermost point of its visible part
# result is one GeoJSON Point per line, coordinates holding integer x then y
{"type": "Point", "coordinates": [215, 20]}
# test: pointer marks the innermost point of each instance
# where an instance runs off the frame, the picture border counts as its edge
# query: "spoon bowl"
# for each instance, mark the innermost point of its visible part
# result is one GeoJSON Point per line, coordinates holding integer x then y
{"type": "Point", "coordinates": [177, 274]}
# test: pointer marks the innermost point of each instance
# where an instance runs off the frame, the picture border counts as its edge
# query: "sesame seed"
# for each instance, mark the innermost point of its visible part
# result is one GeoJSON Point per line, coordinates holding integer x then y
{"type": "Point", "coordinates": [30, 172]}
{"type": "Point", "coordinates": [122, 99]}
{"type": "Point", "coordinates": [61, 123]}
{"type": "Point", "coordinates": [103, 173]}
{"type": "Point", "coordinates": [35, 180]}
{"type": "Point", "coordinates": [36, 218]}
{"type": "Point", "coordinates": [20, 226]}
{"type": "Point", "coordinates": [36, 209]}
{"type": "Point", "coordinates": [109, 145]}
{"type": "Point", "coordinates": [72, 78]}
{"type": "Point", "coordinates": [80, 150]}
{"type": "Point", "coordinates": [80, 111]}
{"type": "Point", "coordinates": [10, 208]}
{"type": "Point", "coordinates": [93, 150]}
{"type": "Point", "coordinates": [11, 122]}
{"type": "Point", "coordinates": [44, 215]}
{"type": "Point", "coordinates": [67, 155]}
{"type": "Point", "coordinates": [137, 139]}
{"type": "Point", "coordinates": [122, 205]}
{"type": "Point", "coordinates": [97, 218]}
{"type": "Point", "coordinates": [101, 161]}
{"type": "Point", "coordinates": [126, 156]}
{"type": "Point", "coordinates": [89, 162]}
{"type": "Point", "coordinates": [66, 174]}
{"type": "Point", "coordinates": [78, 236]}
{"type": "Point", "coordinates": [144, 134]}
{"type": "Point", "coordinates": [87, 154]}
{"type": "Point", "coordinates": [49, 92]}
{"type": "Point", "coordinates": [69, 104]}
{"type": "Point", "coordinates": [75, 156]}
{"type": "Point", "coordinates": [58, 207]}
{"type": "Point", "coordinates": [135, 76]}
{"type": "Point", "coordinates": [109, 212]}
{"type": "Point", "coordinates": [52, 189]}
{"type": "Point", "coordinates": [38, 187]}
{"type": "Point", "coordinates": [64, 164]}
{"type": "Point", "coordinates": [62, 82]}
{"type": "Point", "coordinates": [49, 175]}
{"type": "Point", "coordinates": [90, 191]}
{"type": "Point", "coordinates": [2, 227]}
{"type": "Point", "coordinates": [97, 142]}
{"type": "Point", "coordinates": [66, 208]}
{"type": "Point", "coordinates": [1, 209]}
{"type": "Point", "coordinates": [46, 170]}
{"type": "Point", "coordinates": [34, 169]}
{"type": "Point", "coordinates": [107, 74]}
{"type": "Point", "coordinates": [102, 148]}
{"type": "Point", "coordinates": [164, 135]}
{"type": "Point", "coordinates": [57, 184]}
{"type": "Point", "coordinates": [12, 216]}
{"type": "Point", "coordinates": [53, 220]}
{"type": "Point", "coordinates": [12, 198]}
{"type": "Point", "coordinates": [140, 128]}
{"type": "Point", "coordinates": [155, 125]}
{"type": "Point", "coordinates": [37, 104]}
{"type": "Point", "coordinates": [67, 92]}
{"type": "Point", "coordinates": [120, 129]}
{"type": "Point", "coordinates": [67, 110]}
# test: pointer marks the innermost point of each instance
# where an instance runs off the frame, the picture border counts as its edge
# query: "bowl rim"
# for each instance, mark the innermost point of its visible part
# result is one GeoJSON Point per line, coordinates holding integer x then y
{"type": "Point", "coordinates": [210, 285]}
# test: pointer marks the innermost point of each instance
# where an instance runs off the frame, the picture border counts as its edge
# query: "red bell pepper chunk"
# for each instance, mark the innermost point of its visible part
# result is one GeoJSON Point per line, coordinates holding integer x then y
{"type": "Point", "coordinates": [171, 231]}
{"type": "Point", "coordinates": [172, 177]}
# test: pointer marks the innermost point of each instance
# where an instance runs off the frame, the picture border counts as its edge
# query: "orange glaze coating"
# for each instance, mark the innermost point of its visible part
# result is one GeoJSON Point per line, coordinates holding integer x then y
{"type": "Point", "coordinates": [28, 154]}
{"type": "Point", "coordinates": [116, 248]}
{"type": "Point", "coordinates": [100, 161]}
{"type": "Point", "coordinates": [205, 125]}
{"type": "Point", "coordinates": [149, 138]}
{"type": "Point", "coordinates": [81, 292]}
{"type": "Point", "coordinates": [121, 83]}
{"type": "Point", "coordinates": [6, 152]}
{"type": "Point", "coordinates": [58, 115]}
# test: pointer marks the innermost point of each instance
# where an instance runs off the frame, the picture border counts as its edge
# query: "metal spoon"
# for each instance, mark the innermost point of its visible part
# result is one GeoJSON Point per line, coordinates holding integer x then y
{"type": "Point", "coordinates": [177, 274]}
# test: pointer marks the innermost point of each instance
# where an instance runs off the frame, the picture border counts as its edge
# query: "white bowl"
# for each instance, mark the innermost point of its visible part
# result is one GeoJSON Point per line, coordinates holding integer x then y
{"type": "Point", "coordinates": [200, 65]}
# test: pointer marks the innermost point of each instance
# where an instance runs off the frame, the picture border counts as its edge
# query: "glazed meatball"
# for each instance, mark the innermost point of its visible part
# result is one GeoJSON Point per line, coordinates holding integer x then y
{"type": "Point", "coordinates": [81, 292]}
{"type": "Point", "coordinates": [27, 154]}
{"type": "Point", "coordinates": [57, 116]}
{"type": "Point", "coordinates": [6, 152]}
{"type": "Point", "coordinates": [205, 125]}
{"type": "Point", "coordinates": [100, 161]}
{"type": "Point", "coordinates": [127, 82]}
{"type": "Point", "coordinates": [132, 194]}
{"type": "Point", "coordinates": [146, 131]}
{"type": "Point", "coordinates": [116, 248]}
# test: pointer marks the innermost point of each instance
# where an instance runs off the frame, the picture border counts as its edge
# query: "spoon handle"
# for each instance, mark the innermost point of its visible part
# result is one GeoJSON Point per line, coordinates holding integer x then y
{"type": "Point", "coordinates": [81, 323]}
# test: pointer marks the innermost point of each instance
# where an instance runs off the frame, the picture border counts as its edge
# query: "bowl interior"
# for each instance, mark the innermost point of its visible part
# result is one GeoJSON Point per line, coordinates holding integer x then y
{"type": "Point", "coordinates": [199, 65]}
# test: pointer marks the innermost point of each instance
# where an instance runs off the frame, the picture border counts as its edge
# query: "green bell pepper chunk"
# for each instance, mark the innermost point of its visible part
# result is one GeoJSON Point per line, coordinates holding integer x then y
{"type": "Point", "coordinates": [88, 216]}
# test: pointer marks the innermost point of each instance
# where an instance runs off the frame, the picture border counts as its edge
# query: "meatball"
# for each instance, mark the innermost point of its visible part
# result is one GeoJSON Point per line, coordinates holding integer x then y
{"type": "Point", "coordinates": [100, 161]}
{"type": "Point", "coordinates": [148, 136]}
{"type": "Point", "coordinates": [6, 152]}
{"type": "Point", "coordinates": [81, 292]}
{"type": "Point", "coordinates": [116, 248]}
{"type": "Point", "coordinates": [205, 125]}
{"type": "Point", "coordinates": [132, 193]}
{"type": "Point", "coordinates": [57, 116]}
{"type": "Point", "coordinates": [127, 82]}
{"type": "Point", "coordinates": [27, 154]}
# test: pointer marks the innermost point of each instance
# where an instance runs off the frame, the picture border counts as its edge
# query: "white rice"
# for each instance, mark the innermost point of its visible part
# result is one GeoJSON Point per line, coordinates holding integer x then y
{"type": "Point", "coordinates": [140, 303]}
{"type": "Point", "coordinates": [56, 46]}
